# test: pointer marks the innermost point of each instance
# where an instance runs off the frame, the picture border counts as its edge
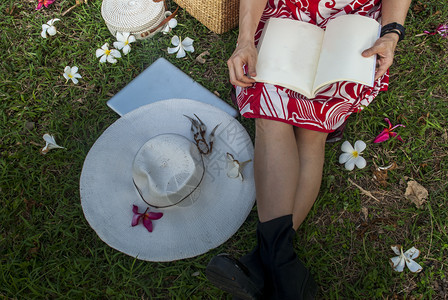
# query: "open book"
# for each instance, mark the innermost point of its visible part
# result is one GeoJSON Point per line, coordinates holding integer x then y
{"type": "Point", "coordinates": [305, 58]}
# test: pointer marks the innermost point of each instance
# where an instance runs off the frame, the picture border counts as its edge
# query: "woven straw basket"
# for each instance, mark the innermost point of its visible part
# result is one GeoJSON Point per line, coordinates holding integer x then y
{"type": "Point", "coordinates": [142, 18]}
{"type": "Point", "coordinates": [217, 15]}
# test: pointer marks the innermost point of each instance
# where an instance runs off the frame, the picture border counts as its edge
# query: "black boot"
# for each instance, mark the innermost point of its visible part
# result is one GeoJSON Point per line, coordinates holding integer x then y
{"type": "Point", "coordinates": [287, 275]}
{"type": "Point", "coordinates": [252, 261]}
{"type": "Point", "coordinates": [243, 278]}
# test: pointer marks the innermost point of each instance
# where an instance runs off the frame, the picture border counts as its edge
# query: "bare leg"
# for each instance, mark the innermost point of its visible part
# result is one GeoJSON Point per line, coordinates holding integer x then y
{"type": "Point", "coordinates": [285, 193]}
{"type": "Point", "coordinates": [311, 149]}
{"type": "Point", "coordinates": [276, 164]}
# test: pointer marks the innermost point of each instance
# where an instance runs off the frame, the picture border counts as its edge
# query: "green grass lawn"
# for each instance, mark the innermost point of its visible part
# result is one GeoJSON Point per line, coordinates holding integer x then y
{"type": "Point", "coordinates": [47, 248]}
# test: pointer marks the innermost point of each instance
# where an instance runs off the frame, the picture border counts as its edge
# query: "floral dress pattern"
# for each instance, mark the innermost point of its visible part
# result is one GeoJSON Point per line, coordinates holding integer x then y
{"type": "Point", "coordinates": [331, 106]}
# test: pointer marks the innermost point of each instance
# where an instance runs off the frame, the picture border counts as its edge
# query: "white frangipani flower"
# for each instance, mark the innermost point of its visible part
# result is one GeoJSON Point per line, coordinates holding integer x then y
{"type": "Point", "coordinates": [107, 55]}
{"type": "Point", "coordinates": [71, 73]}
{"type": "Point", "coordinates": [170, 25]}
{"type": "Point", "coordinates": [235, 167]}
{"type": "Point", "coordinates": [352, 156]}
{"type": "Point", "coordinates": [123, 41]}
{"type": "Point", "coordinates": [50, 143]}
{"type": "Point", "coordinates": [407, 257]}
{"type": "Point", "coordinates": [49, 28]}
{"type": "Point", "coordinates": [181, 47]}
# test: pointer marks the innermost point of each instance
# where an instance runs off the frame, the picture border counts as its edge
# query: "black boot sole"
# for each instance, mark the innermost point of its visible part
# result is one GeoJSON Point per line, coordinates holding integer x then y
{"type": "Point", "coordinates": [229, 275]}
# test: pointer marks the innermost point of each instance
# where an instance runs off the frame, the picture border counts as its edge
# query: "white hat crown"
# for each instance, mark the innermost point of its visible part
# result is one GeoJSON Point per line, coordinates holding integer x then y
{"type": "Point", "coordinates": [167, 169]}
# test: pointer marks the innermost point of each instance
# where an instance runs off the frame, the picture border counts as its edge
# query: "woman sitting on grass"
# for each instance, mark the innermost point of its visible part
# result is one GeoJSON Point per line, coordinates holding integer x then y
{"type": "Point", "coordinates": [291, 132]}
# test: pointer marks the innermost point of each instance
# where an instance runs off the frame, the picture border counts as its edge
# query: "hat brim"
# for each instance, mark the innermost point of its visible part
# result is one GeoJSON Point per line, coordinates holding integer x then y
{"type": "Point", "coordinates": [222, 203]}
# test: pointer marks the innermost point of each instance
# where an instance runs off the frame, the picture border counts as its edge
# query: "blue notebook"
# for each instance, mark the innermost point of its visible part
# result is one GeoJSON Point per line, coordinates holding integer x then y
{"type": "Point", "coordinates": [160, 81]}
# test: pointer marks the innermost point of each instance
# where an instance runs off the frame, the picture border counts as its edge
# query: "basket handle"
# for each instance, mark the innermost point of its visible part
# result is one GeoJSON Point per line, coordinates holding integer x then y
{"type": "Point", "coordinates": [166, 20]}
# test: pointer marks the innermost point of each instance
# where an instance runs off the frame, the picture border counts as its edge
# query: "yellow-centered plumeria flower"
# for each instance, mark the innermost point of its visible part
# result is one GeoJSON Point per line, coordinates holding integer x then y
{"type": "Point", "coordinates": [71, 73]}
{"type": "Point", "coordinates": [181, 47]}
{"type": "Point", "coordinates": [50, 143]}
{"type": "Point", "coordinates": [406, 258]}
{"type": "Point", "coordinates": [107, 55]}
{"type": "Point", "coordinates": [49, 28]}
{"type": "Point", "coordinates": [236, 167]}
{"type": "Point", "coordinates": [352, 156]}
{"type": "Point", "coordinates": [123, 41]}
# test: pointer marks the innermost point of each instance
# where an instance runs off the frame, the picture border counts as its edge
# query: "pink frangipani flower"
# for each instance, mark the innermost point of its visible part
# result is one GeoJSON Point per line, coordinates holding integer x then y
{"type": "Point", "coordinates": [388, 133]}
{"type": "Point", "coordinates": [442, 30]}
{"type": "Point", "coordinates": [146, 217]}
{"type": "Point", "coordinates": [45, 3]}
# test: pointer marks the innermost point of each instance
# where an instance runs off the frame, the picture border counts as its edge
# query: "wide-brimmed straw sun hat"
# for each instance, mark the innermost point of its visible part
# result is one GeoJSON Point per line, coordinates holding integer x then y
{"type": "Point", "coordinates": [149, 159]}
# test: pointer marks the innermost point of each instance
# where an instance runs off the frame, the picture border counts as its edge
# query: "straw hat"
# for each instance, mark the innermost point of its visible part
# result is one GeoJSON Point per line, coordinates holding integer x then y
{"type": "Point", "coordinates": [148, 158]}
{"type": "Point", "coordinates": [142, 18]}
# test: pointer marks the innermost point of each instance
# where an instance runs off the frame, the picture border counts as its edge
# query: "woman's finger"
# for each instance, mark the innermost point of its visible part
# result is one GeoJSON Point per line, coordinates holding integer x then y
{"type": "Point", "coordinates": [237, 76]}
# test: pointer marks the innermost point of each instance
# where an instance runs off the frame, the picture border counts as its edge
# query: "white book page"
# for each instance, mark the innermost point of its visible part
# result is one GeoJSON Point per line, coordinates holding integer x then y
{"type": "Point", "coordinates": [288, 53]}
{"type": "Point", "coordinates": [345, 39]}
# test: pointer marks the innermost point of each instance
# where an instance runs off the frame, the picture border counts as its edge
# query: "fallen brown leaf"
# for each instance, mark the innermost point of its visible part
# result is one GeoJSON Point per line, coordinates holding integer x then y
{"type": "Point", "coordinates": [10, 10]}
{"type": "Point", "coordinates": [416, 193]}
{"type": "Point", "coordinates": [380, 173]}
{"type": "Point", "coordinates": [419, 7]}
{"type": "Point", "coordinates": [365, 213]}
{"type": "Point", "coordinates": [380, 176]}
{"type": "Point", "coordinates": [200, 58]}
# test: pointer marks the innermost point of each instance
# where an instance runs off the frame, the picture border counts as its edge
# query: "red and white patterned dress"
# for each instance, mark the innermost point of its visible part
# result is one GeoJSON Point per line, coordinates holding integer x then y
{"type": "Point", "coordinates": [332, 106]}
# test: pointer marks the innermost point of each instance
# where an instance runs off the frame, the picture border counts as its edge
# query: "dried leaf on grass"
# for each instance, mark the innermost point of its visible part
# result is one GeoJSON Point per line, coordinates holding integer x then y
{"type": "Point", "coordinates": [380, 173]}
{"type": "Point", "coordinates": [419, 7]}
{"type": "Point", "coordinates": [365, 213]}
{"type": "Point", "coordinates": [201, 58]}
{"type": "Point", "coordinates": [10, 10]}
{"type": "Point", "coordinates": [416, 193]}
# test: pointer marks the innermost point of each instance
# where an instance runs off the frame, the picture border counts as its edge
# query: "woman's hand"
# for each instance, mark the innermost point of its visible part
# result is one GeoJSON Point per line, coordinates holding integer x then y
{"type": "Point", "coordinates": [244, 54]}
{"type": "Point", "coordinates": [384, 48]}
